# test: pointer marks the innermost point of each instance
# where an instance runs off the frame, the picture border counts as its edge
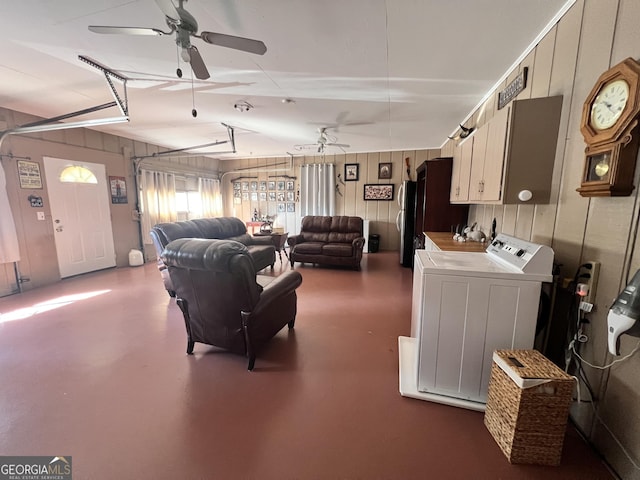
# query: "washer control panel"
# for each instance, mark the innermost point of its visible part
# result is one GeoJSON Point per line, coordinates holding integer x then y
{"type": "Point", "coordinates": [526, 256]}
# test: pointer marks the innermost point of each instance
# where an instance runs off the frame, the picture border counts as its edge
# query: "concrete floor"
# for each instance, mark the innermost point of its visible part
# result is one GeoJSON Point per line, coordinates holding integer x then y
{"type": "Point", "coordinates": [95, 368]}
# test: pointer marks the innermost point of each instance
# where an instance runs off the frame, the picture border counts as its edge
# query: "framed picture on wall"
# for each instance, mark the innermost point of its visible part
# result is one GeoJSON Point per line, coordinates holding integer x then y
{"type": "Point", "coordinates": [351, 172]}
{"type": "Point", "coordinates": [272, 185]}
{"type": "Point", "coordinates": [378, 192]}
{"type": "Point", "coordinates": [384, 170]}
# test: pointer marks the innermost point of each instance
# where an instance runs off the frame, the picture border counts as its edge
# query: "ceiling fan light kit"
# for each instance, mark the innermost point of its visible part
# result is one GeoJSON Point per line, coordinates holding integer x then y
{"type": "Point", "coordinates": [243, 106]}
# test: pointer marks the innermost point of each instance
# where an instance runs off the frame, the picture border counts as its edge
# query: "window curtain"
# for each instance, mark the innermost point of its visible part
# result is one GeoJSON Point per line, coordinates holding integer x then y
{"type": "Point", "coordinates": [317, 189]}
{"type": "Point", "coordinates": [158, 199]}
{"type": "Point", "coordinates": [211, 197]}
{"type": "Point", "coordinates": [9, 251]}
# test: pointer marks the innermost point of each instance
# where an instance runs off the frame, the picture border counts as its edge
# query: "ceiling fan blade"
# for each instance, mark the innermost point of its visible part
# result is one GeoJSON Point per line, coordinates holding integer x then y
{"type": "Point", "coordinates": [169, 9]}
{"type": "Point", "coordinates": [238, 43]}
{"type": "Point", "coordinates": [197, 64]}
{"type": "Point", "coordinates": [125, 30]}
{"type": "Point", "coordinates": [343, 145]}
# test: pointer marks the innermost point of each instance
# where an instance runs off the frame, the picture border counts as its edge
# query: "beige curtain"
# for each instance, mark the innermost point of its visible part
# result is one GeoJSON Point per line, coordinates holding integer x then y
{"type": "Point", "coordinates": [211, 197]}
{"type": "Point", "coordinates": [317, 189]}
{"type": "Point", "coordinates": [158, 200]}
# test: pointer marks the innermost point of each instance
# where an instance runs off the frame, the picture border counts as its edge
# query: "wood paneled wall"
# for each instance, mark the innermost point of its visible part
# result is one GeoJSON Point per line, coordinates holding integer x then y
{"type": "Point", "coordinates": [593, 36]}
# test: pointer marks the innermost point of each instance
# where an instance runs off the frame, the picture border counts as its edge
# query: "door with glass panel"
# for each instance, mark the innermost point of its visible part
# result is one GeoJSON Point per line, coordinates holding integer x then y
{"type": "Point", "coordinates": [79, 200]}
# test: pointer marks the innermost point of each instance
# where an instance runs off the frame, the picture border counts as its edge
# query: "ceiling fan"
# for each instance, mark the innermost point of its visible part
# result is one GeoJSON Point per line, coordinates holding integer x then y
{"type": "Point", "coordinates": [185, 26]}
{"type": "Point", "coordinates": [323, 141]}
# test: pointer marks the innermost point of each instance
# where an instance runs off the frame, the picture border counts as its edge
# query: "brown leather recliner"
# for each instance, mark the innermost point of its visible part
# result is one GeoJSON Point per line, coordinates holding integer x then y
{"type": "Point", "coordinates": [223, 301]}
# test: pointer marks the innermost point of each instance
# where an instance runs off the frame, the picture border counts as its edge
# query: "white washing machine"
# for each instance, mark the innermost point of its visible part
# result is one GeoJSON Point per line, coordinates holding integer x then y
{"type": "Point", "coordinates": [466, 305]}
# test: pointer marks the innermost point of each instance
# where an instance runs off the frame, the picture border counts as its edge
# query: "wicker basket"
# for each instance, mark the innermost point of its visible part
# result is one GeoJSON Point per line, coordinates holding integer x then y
{"type": "Point", "coordinates": [527, 406]}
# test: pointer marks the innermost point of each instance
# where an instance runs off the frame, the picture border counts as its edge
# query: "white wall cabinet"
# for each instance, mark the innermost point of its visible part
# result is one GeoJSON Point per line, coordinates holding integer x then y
{"type": "Point", "coordinates": [461, 172]}
{"type": "Point", "coordinates": [514, 152]}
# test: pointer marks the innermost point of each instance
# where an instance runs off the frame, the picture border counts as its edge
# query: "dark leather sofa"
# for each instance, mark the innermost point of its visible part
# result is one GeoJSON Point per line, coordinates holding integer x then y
{"type": "Point", "coordinates": [261, 249]}
{"type": "Point", "coordinates": [328, 240]}
{"type": "Point", "coordinates": [223, 301]}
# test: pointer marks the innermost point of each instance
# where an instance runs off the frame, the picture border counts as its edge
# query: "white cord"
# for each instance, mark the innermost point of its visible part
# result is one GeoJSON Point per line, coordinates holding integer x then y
{"type": "Point", "coordinates": [604, 367]}
{"type": "Point", "coordinates": [577, 387]}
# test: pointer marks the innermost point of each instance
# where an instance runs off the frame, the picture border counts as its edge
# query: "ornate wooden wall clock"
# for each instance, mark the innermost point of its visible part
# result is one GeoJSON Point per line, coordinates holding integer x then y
{"type": "Point", "coordinates": [609, 125]}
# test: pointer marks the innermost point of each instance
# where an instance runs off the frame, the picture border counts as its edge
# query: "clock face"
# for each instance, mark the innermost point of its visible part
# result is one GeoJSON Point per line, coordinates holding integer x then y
{"type": "Point", "coordinates": [609, 104]}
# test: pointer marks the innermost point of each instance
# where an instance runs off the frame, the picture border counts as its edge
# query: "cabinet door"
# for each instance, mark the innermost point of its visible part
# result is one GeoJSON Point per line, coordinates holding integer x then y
{"type": "Point", "coordinates": [461, 172]}
{"type": "Point", "coordinates": [476, 177]}
{"type": "Point", "coordinates": [495, 156]}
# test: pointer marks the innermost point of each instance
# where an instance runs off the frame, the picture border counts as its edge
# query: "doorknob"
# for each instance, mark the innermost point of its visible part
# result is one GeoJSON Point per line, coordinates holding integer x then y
{"type": "Point", "coordinates": [57, 220]}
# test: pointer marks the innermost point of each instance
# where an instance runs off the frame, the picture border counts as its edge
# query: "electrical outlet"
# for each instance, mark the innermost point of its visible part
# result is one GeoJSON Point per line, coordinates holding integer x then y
{"type": "Point", "coordinates": [592, 269]}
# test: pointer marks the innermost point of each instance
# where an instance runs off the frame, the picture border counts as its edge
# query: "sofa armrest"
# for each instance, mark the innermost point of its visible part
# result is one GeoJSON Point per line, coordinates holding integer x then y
{"type": "Point", "coordinates": [294, 240]}
{"type": "Point", "coordinates": [358, 243]}
{"type": "Point", "coordinates": [282, 285]}
{"type": "Point", "coordinates": [262, 240]}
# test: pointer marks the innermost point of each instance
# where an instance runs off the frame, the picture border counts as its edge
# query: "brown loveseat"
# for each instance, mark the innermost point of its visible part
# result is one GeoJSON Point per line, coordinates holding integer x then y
{"type": "Point", "coordinates": [223, 301]}
{"type": "Point", "coordinates": [261, 249]}
{"type": "Point", "coordinates": [328, 240]}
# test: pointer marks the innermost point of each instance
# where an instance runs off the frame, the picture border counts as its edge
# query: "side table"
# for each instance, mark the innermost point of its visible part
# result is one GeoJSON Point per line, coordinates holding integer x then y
{"type": "Point", "coordinates": [279, 241]}
{"type": "Point", "coordinates": [253, 226]}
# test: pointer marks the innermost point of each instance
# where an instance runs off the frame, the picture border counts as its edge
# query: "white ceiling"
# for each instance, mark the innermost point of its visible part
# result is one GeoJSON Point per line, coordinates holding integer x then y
{"type": "Point", "coordinates": [385, 75]}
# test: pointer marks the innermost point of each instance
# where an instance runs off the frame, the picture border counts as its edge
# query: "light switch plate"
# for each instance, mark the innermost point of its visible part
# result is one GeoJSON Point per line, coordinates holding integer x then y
{"type": "Point", "coordinates": [40, 215]}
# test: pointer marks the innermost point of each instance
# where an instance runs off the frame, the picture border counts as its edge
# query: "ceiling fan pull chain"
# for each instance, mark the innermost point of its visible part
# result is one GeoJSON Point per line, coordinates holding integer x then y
{"type": "Point", "coordinates": [194, 112]}
{"type": "Point", "coordinates": [178, 70]}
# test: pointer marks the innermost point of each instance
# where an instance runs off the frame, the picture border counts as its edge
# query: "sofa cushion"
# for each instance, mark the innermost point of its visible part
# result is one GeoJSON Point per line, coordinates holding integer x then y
{"type": "Point", "coordinates": [342, 224]}
{"type": "Point", "coordinates": [209, 228]}
{"type": "Point", "coordinates": [337, 249]}
{"type": "Point", "coordinates": [338, 237]}
{"type": "Point", "coordinates": [310, 248]}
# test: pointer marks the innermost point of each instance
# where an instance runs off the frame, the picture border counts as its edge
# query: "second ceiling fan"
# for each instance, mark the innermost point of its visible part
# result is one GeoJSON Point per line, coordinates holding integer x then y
{"type": "Point", "coordinates": [185, 26]}
{"type": "Point", "coordinates": [324, 140]}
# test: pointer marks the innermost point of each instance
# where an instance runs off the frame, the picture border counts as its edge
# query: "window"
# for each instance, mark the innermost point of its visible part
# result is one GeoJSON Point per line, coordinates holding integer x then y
{"type": "Point", "coordinates": [188, 198]}
{"type": "Point", "coordinates": [77, 174]}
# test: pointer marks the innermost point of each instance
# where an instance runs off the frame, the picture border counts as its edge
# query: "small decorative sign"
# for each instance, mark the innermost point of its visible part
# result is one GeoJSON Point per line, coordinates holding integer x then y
{"type": "Point", "coordinates": [118, 189]}
{"type": "Point", "coordinates": [29, 173]}
{"type": "Point", "coordinates": [35, 201]}
{"type": "Point", "coordinates": [513, 89]}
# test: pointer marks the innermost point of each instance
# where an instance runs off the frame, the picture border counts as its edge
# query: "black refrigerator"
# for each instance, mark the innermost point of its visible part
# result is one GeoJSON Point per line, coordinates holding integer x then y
{"type": "Point", "coordinates": [405, 221]}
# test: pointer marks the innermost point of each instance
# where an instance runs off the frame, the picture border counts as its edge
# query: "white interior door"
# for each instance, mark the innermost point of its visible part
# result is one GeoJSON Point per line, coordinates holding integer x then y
{"type": "Point", "coordinates": [81, 219]}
